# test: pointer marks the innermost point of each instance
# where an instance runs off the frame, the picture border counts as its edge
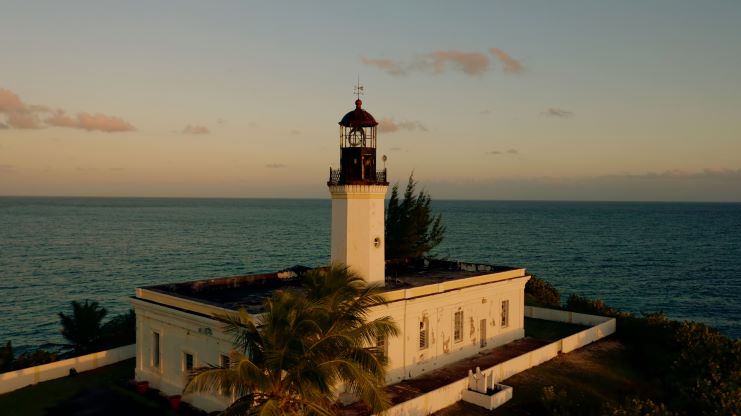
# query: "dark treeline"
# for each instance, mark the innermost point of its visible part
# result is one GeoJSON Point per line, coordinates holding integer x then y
{"type": "Point", "coordinates": [85, 332]}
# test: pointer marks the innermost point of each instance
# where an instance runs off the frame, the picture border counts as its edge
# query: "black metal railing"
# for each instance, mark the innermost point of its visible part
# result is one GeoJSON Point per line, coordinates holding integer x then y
{"type": "Point", "coordinates": [336, 178]}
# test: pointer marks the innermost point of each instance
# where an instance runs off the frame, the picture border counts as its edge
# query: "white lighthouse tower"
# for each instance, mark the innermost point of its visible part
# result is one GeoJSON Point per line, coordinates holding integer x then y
{"type": "Point", "coordinates": [358, 190]}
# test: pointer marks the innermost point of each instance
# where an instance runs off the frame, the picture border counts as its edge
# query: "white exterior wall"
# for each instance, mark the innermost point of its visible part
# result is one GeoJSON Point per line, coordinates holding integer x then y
{"type": "Point", "coordinates": [182, 332]}
{"type": "Point", "coordinates": [407, 360]}
{"type": "Point", "coordinates": [357, 220]}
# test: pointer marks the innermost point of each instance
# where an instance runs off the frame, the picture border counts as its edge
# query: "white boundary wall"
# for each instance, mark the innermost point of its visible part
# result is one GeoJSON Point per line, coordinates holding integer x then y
{"type": "Point", "coordinates": [450, 394]}
{"type": "Point", "coordinates": [17, 379]}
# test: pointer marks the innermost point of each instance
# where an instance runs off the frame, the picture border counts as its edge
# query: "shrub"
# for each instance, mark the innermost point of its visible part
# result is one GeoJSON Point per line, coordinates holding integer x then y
{"type": "Point", "coordinates": [541, 293]}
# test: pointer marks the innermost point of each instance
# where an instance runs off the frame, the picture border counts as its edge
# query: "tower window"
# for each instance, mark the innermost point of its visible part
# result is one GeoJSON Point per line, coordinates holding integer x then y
{"type": "Point", "coordinates": [424, 333]}
{"type": "Point", "coordinates": [458, 326]}
{"type": "Point", "coordinates": [505, 313]}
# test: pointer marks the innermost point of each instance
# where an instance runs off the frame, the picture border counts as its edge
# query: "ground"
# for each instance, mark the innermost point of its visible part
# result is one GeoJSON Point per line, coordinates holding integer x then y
{"type": "Point", "coordinates": [103, 391]}
{"type": "Point", "coordinates": [596, 373]}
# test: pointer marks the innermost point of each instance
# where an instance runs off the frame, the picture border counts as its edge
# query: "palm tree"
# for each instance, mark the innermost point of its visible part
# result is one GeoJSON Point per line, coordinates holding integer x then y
{"type": "Point", "coordinates": [82, 328]}
{"type": "Point", "coordinates": [291, 359]}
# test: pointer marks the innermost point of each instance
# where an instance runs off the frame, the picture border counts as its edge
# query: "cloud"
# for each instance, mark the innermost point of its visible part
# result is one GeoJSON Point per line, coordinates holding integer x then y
{"type": "Point", "coordinates": [485, 112]}
{"type": "Point", "coordinates": [89, 122]}
{"type": "Point", "coordinates": [437, 62]}
{"type": "Point", "coordinates": [295, 132]}
{"type": "Point", "coordinates": [712, 184]}
{"type": "Point", "coordinates": [471, 63]}
{"type": "Point", "coordinates": [275, 166]}
{"type": "Point", "coordinates": [10, 102]}
{"type": "Point", "coordinates": [22, 116]}
{"type": "Point", "coordinates": [6, 169]}
{"type": "Point", "coordinates": [557, 112]}
{"type": "Point", "coordinates": [196, 130]}
{"type": "Point", "coordinates": [24, 120]}
{"type": "Point", "coordinates": [510, 65]}
{"type": "Point", "coordinates": [388, 65]}
{"type": "Point", "coordinates": [388, 125]}
{"type": "Point", "coordinates": [504, 152]}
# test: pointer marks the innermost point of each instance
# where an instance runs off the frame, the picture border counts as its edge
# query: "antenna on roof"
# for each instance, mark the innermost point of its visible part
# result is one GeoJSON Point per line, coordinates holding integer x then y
{"type": "Point", "coordinates": [359, 89]}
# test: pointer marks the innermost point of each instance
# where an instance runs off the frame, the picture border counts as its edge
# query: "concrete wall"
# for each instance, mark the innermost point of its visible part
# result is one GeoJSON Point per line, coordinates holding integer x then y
{"type": "Point", "coordinates": [14, 380]}
{"type": "Point", "coordinates": [450, 394]}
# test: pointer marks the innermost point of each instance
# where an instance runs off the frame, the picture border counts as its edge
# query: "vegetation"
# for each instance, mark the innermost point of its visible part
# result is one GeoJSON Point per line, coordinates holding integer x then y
{"type": "Point", "coordinates": [83, 329]}
{"type": "Point", "coordinates": [538, 292]}
{"type": "Point", "coordinates": [697, 368]}
{"type": "Point", "coordinates": [290, 359]}
{"type": "Point", "coordinates": [412, 231]}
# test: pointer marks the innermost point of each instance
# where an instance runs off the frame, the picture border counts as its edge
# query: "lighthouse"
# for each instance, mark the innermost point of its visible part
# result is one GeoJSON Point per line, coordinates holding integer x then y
{"type": "Point", "coordinates": [358, 189]}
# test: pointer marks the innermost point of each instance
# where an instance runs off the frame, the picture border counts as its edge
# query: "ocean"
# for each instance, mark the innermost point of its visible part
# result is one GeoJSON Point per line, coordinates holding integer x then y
{"type": "Point", "coordinates": [683, 259]}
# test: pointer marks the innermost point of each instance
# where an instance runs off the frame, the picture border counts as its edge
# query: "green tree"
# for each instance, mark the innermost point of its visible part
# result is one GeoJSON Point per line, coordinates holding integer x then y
{"type": "Point", "coordinates": [82, 328]}
{"type": "Point", "coordinates": [412, 230]}
{"type": "Point", "coordinates": [6, 358]}
{"type": "Point", "coordinates": [290, 359]}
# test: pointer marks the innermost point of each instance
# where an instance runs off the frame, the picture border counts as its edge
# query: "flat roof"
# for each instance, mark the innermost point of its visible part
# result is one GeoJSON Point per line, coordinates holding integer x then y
{"type": "Point", "coordinates": [251, 291]}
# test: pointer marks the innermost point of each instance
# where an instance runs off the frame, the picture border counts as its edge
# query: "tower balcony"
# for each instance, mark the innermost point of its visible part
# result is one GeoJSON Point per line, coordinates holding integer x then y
{"type": "Point", "coordinates": [340, 177]}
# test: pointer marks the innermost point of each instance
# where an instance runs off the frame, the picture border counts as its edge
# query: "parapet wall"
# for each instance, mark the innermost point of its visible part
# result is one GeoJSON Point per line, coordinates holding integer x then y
{"type": "Point", "coordinates": [17, 379]}
{"type": "Point", "coordinates": [448, 395]}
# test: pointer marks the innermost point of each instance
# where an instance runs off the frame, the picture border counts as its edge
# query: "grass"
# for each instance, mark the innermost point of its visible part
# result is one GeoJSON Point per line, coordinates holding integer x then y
{"type": "Point", "coordinates": [100, 389]}
{"type": "Point", "coordinates": [598, 373]}
{"type": "Point", "coordinates": [550, 330]}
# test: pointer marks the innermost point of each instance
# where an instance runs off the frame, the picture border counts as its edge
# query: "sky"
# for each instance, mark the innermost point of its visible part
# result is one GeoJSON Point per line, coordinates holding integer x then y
{"type": "Point", "coordinates": [534, 100]}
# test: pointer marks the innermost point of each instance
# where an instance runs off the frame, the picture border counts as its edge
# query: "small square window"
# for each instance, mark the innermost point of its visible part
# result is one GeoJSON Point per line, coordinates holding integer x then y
{"type": "Point", "coordinates": [458, 326]}
{"type": "Point", "coordinates": [155, 349]}
{"type": "Point", "coordinates": [424, 333]}
{"type": "Point", "coordinates": [224, 361]}
{"type": "Point", "coordinates": [187, 362]}
{"type": "Point", "coordinates": [505, 313]}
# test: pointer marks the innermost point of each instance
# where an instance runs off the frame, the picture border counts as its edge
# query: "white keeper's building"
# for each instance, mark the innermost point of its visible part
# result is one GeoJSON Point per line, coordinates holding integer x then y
{"type": "Point", "coordinates": [446, 310]}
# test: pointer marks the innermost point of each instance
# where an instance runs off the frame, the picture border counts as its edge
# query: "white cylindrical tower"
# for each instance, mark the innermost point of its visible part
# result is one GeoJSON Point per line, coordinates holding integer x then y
{"type": "Point", "coordinates": [358, 191]}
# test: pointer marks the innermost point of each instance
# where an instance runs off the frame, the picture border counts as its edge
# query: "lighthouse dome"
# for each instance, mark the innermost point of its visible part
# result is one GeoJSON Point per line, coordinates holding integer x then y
{"type": "Point", "coordinates": [358, 117]}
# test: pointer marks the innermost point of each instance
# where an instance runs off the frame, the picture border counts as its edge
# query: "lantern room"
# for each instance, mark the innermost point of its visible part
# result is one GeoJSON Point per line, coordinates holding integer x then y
{"type": "Point", "coordinates": [357, 150]}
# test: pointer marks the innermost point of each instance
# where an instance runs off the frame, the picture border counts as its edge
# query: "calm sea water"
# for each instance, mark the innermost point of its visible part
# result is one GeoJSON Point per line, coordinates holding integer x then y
{"type": "Point", "coordinates": [680, 258]}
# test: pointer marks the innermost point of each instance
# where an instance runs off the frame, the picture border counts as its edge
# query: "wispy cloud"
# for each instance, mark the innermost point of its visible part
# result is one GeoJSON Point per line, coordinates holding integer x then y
{"type": "Point", "coordinates": [558, 112]}
{"type": "Point", "coordinates": [194, 129]}
{"type": "Point", "coordinates": [437, 62]}
{"type": "Point", "coordinates": [471, 63]}
{"type": "Point", "coordinates": [388, 65]}
{"type": "Point", "coordinates": [503, 152]}
{"type": "Point", "coordinates": [5, 168]}
{"type": "Point", "coordinates": [23, 116]}
{"type": "Point", "coordinates": [295, 132]}
{"type": "Point", "coordinates": [388, 125]}
{"type": "Point", "coordinates": [275, 166]}
{"type": "Point", "coordinates": [509, 64]}
{"type": "Point", "coordinates": [89, 122]}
